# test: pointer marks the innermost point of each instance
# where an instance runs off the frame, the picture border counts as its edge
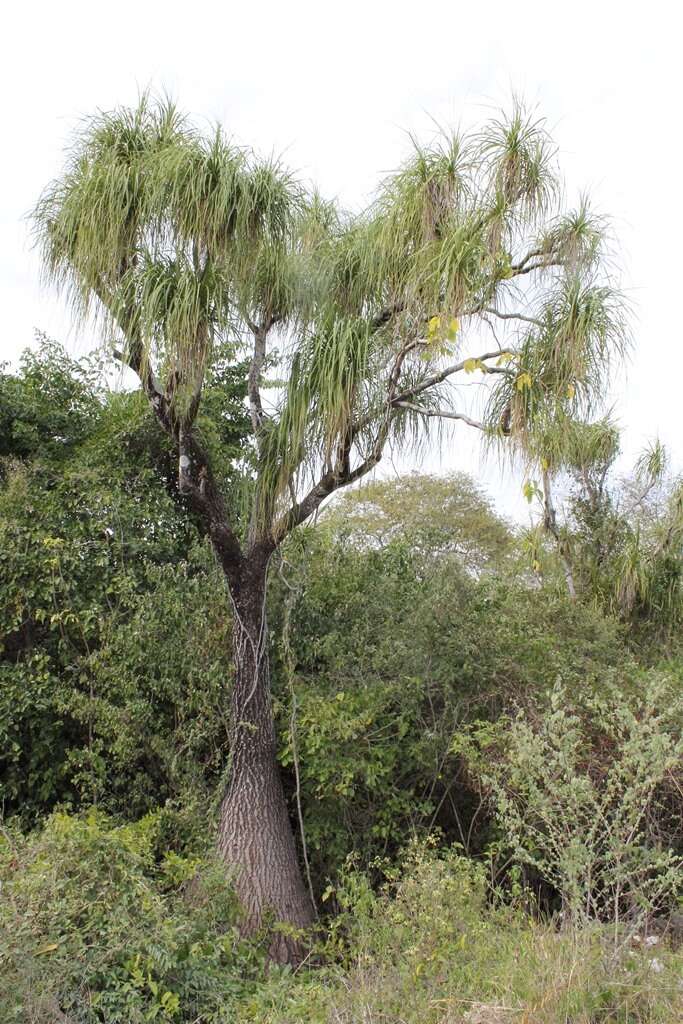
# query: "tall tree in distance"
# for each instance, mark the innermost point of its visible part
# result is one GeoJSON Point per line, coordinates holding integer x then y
{"type": "Point", "coordinates": [619, 539]}
{"type": "Point", "coordinates": [183, 245]}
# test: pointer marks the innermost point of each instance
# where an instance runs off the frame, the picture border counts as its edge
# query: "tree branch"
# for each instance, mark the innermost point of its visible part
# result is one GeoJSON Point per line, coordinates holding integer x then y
{"type": "Point", "coordinates": [445, 414]}
{"type": "Point", "coordinates": [395, 374]}
{"type": "Point", "coordinates": [550, 524]}
{"type": "Point", "coordinates": [196, 481]}
{"type": "Point", "coordinates": [448, 371]}
{"type": "Point", "coordinates": [638, 501]}
{"type": "Point", "coordinates": [385, 316]}
{"type": "Point", "coordinates": [531, 255]}
{"type": "Point", "coordinates": [511, 316]}
{"type": "Point", "coordinates": [340, 476]}
{"type": "Point", "coordinates": [260, 332]}
{"type": "Point", "coordinates": [520, 269]}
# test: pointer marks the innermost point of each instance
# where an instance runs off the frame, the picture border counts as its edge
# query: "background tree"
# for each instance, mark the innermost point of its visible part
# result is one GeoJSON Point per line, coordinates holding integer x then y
{"type": "Point", "coordinates": [619, 539]}
{"type": "Point", "coordinates": [447, 514]}
{"type": "Point", "coordinates": [101, 689]}
{"type": "Point", "coordinates": [184, 245]}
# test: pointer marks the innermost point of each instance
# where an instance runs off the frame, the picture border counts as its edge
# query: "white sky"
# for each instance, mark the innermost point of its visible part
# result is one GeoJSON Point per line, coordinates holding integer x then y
{"type": "Point", "coordinates": [334, 87]}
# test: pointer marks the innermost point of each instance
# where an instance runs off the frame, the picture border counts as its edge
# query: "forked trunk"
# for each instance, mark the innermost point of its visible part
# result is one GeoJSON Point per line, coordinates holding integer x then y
{"type": "Point", "coordinates": [255, 835]}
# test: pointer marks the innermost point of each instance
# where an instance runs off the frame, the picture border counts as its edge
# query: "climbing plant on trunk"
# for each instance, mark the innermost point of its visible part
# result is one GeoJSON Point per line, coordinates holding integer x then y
{"type": "Point", "coordinates": [463, 268]}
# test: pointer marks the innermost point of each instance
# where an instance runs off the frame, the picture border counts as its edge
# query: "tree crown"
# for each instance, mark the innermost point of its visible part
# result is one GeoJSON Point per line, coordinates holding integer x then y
{"type": "Point", "coordinates": [185, 245]}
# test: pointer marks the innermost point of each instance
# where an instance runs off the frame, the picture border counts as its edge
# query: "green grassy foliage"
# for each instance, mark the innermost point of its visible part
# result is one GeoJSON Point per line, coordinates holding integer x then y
{"type": "Point", "coordinates": [434, 946]}
{"type": "Point", "coordinates": [102, 924]}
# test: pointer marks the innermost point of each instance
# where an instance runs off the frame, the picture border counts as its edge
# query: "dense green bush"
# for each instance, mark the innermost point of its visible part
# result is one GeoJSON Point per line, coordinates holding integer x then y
{"type": "Point", "coordinates": [579, 791]}
{"type": "Point", "coordinates": [387, 657]}
{"type": "Point", "coordinates": [99, 559]}
{"type": "Point", "coordinates": [103, 925]}
{"type": "Point", "coordinates": [98, 924]}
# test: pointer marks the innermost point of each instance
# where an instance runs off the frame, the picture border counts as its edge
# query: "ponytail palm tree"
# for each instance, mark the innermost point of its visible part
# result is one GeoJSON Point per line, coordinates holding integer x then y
{"type": "Point", "coordinates": [183, 245]}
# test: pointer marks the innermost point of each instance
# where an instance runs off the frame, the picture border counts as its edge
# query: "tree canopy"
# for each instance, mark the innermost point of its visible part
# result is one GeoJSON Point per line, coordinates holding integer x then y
{"type": "Point", "coordinates": [183, 244]}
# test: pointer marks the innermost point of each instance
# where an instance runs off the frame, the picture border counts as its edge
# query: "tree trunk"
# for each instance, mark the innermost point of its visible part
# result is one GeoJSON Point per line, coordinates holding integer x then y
{"type": "Point", "coordinates": [550, 523]}
{"type": "Point", "coordinates": [255, 833]}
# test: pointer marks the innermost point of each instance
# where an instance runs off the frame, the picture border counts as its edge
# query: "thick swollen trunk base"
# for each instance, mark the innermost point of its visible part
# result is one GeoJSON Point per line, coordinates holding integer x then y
{"type": "Point", "coordinates": [258, 845]}
{"type": "Point", "coordinates": [255, 835]}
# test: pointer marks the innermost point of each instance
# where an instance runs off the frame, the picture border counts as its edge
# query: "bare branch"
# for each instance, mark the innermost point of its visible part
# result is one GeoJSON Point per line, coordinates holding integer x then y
{"type": "Point", "coordinates": [511, 316]}
{"type": "Point", "coordinates": [519, 269]}
{"type": "Point", "coordinates": [531, 255]}
{"type": "Point", "coordinates": [448, 371]}
{"type": "Point", "coordinates": [445, 414]}
{"type": "Point", "coordinates": [395, 374]}
{"type": "Point", "coordinates": [640, 498]}
{"type": "Point", "coordinates": [340, 476]}
{"type": "Point", "coordinates": [385, 316]}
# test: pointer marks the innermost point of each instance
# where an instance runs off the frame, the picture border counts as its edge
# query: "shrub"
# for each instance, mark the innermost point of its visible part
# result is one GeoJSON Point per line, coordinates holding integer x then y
{"type": "Point", "coordinates": [388, 657]}
{"type": "Point", "coordinates": [98, 925]}
{"type": "Point", "coordinates": [436, 946]}
{"type": "Point", "coordinates": [576, 795]}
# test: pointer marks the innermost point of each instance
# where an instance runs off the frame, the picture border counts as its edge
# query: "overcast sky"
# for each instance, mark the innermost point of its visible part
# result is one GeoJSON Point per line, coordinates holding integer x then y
{"type": "Point", "coordinates": [335, 87]}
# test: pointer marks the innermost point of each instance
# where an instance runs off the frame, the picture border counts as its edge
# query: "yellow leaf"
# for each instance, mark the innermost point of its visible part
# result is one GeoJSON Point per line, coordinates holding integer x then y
{"type": "Point", "coordinates": [504, 358]}
{"type": "Point", "coordinates": [433, 327]}
{"type": "Point", "coordinates": [529, 489]}
{"type": "Point", "coordinates": [47, 949]}
{"type": "Point", "coordinates": [544, 463]}
{"type": "Point", "coordinates": [470, 365]}
{"type": "Point", "coordinates": [523, 381]}
{"type": "Point", "coordinates": [453, 328]}
{"type": "Point", "coordinates": [170, 1002]}
{"type": "Point", "coordinates": [571, 390]}
{"type": "Point", "coordinates": [537, 565]}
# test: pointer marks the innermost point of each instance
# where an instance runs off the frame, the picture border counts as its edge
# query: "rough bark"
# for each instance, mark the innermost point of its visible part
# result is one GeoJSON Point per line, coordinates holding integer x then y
{"type": "Point", "coordinates": [255, 832]}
